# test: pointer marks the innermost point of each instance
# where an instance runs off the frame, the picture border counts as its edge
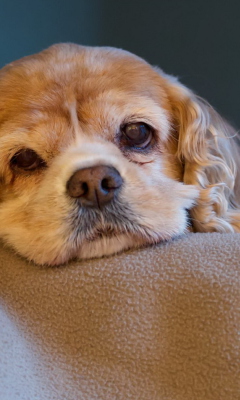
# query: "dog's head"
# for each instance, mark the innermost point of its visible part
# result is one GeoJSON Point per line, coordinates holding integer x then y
{"type": "Point", "coordinates": [95, 145]}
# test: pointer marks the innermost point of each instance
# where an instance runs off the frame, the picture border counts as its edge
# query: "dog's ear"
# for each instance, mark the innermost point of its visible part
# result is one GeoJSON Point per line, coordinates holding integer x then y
{"type": "Point", "coordinates": [206, 152]}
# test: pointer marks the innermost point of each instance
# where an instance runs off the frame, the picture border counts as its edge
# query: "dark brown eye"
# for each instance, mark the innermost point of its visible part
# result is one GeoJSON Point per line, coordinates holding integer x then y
{"type": "Point", "coordinates": [137, 134]}
{"type": "Point", "coordinates": [27, 160]}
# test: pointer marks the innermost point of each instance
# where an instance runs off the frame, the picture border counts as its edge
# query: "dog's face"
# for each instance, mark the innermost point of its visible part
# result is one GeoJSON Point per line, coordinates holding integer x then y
{"type": "Point", "coordinates": [88, 163]}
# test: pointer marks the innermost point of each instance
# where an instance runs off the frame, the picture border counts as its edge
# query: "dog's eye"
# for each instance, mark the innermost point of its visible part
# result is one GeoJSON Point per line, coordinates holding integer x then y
{"type": "Point", "coordinates": [137, 134]}
{"type": "Point", "coordinates": [27, 160]}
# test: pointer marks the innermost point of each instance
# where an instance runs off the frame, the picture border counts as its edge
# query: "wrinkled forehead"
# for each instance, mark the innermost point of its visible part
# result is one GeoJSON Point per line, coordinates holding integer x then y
{"type": "Point", "coordinates": [95, 88]}
{"type": "Point", "coordinates": [54, 76]}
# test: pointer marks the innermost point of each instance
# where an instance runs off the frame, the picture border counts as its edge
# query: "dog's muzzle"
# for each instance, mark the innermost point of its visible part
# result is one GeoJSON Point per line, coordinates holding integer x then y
{"type": "Point", "coordinates": [95, 186]}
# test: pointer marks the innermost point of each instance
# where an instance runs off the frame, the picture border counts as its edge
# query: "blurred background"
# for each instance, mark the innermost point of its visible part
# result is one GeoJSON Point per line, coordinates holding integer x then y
{"type": "Point", "coordinates": [198, 41]}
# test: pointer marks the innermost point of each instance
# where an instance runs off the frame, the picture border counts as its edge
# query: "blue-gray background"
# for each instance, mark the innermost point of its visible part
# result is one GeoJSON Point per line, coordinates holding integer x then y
{"type": "Point", "coordinates": [199, 41]}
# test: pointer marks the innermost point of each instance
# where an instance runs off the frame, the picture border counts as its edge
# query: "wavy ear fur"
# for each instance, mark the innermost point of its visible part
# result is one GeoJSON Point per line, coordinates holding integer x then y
{"type": "Point", "coordinates": [210, 157]}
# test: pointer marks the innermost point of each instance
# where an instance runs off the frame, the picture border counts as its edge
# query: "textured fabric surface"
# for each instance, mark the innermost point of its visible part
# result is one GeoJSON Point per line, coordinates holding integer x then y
{"type": "Point", "coordinates": [157, 323]}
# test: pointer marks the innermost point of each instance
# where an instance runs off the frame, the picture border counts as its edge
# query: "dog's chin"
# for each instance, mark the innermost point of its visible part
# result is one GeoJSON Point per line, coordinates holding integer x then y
{"type": "Point", "coordinates": [108, 244]}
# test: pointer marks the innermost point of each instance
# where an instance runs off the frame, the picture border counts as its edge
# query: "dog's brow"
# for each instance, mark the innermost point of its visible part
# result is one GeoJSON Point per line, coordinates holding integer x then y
{"type": "Point", "coordinates": [72, 109]}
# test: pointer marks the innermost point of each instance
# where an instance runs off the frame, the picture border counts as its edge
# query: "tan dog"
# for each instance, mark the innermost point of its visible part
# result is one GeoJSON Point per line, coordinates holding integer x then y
{"type": "Point", "coordinates": [100, 152]}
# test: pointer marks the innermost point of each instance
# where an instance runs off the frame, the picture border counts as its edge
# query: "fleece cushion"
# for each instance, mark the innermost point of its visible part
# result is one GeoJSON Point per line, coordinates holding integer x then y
{"type": "Point", "coordinates": [160, 323]}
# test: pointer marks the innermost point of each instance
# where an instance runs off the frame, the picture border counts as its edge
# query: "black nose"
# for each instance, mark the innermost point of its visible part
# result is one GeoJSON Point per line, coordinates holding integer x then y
{"type": "Point", "coordinates": [95, 186]}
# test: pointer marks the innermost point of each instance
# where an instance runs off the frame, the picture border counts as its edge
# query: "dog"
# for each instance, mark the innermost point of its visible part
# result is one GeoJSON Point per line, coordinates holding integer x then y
{"type": "Point", "coordinates": [101, 152]}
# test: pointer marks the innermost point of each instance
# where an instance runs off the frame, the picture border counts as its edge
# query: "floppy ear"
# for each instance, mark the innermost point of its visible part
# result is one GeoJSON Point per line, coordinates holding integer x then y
{"type": "Point", "coordinates": [209, 159]}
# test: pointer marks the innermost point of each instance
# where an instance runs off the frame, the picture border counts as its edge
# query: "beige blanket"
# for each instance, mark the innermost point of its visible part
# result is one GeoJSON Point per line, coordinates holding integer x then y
{"type": "Point", "coordinates": [158, 323]}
